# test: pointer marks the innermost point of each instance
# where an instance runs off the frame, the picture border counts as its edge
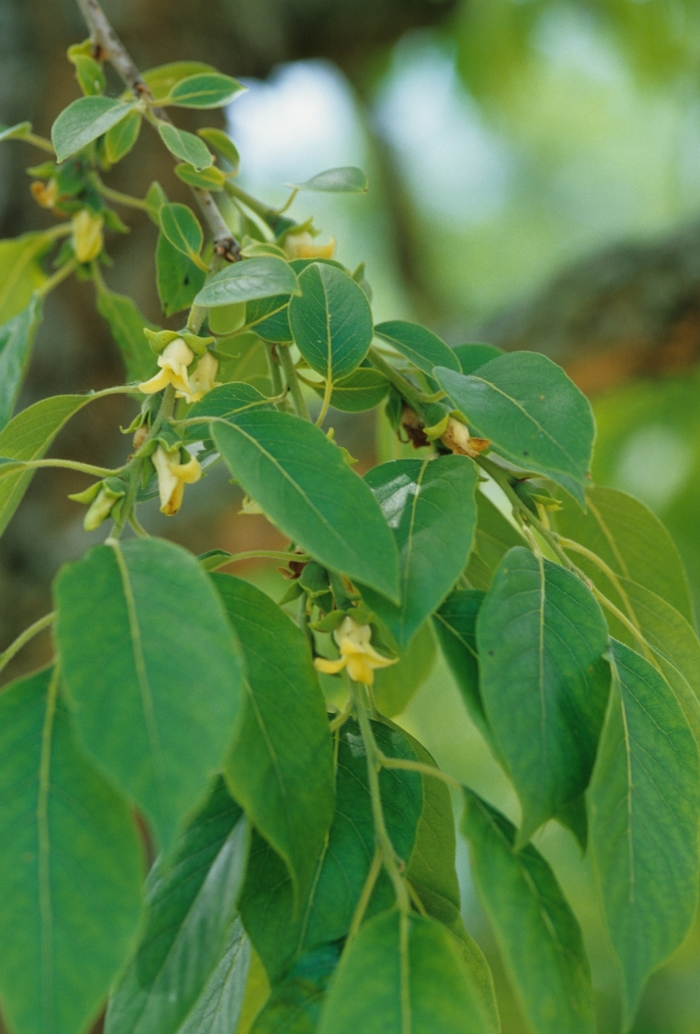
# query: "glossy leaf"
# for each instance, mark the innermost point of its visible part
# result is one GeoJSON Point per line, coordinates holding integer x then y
{"type": "Point", "coordinates": [186, 146]}
{"type": "Point", "coordinates": [633, 543]}
{"type": "Point", "coordinates": [70, 868]}
{"type": "Point", "coordinates": [537, 933]}
{"type": "Point", "coordinates": [429, 505]}
{"type": "Point", "coordinates": [472, 356]}
{"type": "Point", "coordinates": [455, 625]}
{"type": "Point", "coordinates": [541, 636]}
{"type": "Point", "coordinates": [362, 389]}
{"type": "Point", "coordinates": [247, 280]}
{"type": "Point", "coordinates": [395, 687]}
{"type": "Point", "coordinates": [157, 684]}
{"type": "Point", "coordinates": [84, 120]}
{"type": "Point", "coordinates": [219, 1007]}
{"type": "Point", "coordinates": [204, 90]}
{"type": "Point", "coordinates": [532, 413]}
{"type": "Point", "coordinates": [223, 402]}
{"type": "Point", "coordinates": [645, 806]}
{"type": "Point", "coordinates": [16, 341]}
{"type": "Point", "coordinates": [280, 764]}
{"type": "Point", "coordinates": [182, 229]}
{"type": "Point", "coordinates": [206, 179]}
{"type": "Point", "coordinates": [295, 1004]}
{"type": "Point", "coordinates": [178, 279]}
{"type": "Point", "coordinates": [304, 485]}
{"type": "Point", "coordinates": [495, 535]}
{"type": "Point", "coordinates": [161, 79]}
{"type": "Point", "coordinates": [127, 325]}
{"type": "Point", "coordinates": [191, 901]}
{"type": "Point", "coordinates": [270, 318]}
{"type": "Point", "coordinates": [425, 349]}
{"type": "Point", "coordinates": [20, 273]}
{"type": "Point", "coordinates": [404, 973]}
{"type": "Point", "coordinates": [345, 180]}
{"type": "Point", "coordinates": [120, 139]}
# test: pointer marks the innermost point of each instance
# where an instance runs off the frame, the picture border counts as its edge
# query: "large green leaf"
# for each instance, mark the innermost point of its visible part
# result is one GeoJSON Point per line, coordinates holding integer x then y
{"type": "Point", "coordinates": [280, 765]}
{"type": "Point", "coordinates": [181, 227]}
{"type": "Point", "coordinates": [645, 807]}
{"type": "Point", "coordinates": [345, 180]}
{"type": "Point", "coordinates": [294, 1005]}
{"type": "Point", "coordinates": [223, 402]}
{"type": "Point", "coordinates": [396, 685]}
{"type": "Point", "coordinates": [249, 280]}
{"type": "Point", "coordinates": [156, 685]}
{"type": "Point", "coordinates": [541, 635]}
{"type": "Point", "coordinates": [331, 321]}
{"type": "Point", "coordinates": [191, 900]}
{"type": "Point", "coordinates": [429, 505]}
{"type": "Point", "coordinates": [219, 1006]}
{"type": "Point", "coordinates": [304, 485]}
{"type": "Point", "coordinates": [127, 325]}
{"type": "Point", "coordinates": [425, 349]}
{"type": "Point", "coordinates": [177, 278]}
{"type": "Point", "coordinates": [16, 340]}
{"type": "Point", "coordinates": [70, 868]}
{"type": "Point", "coordinates": [455, 625]}
{"type": "Point", "coordinates": [186, 146]}
{"type": "Point", "coordinates": [537, 933]}
{"type": "Point", "coordinates": [84, 120]}
{"type": "Point", "coordinates": [472, 356]}
{"type": "Point", "coordinates": [404, 974]}
{"type": "Point", "coordinates": [534, 416]}
{"type": "Point", "coordinates": [20, 273]}
{"type": "Point", "coordinates": [495, 535]}
{"type": "Point", "coordinates": [633, 543]}
{"type": "Point", "coordinates": [280, 932]}
{"type": "Point", "coordinates": [204, 90]}
{"type": "Point", "coordinates": [362, 389]}
{"type": "Point", "coordinates": [270, 318]}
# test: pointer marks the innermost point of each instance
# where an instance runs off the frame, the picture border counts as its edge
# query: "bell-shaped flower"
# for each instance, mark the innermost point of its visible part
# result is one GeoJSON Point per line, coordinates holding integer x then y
{"type": "Point", "coordinates": [173, 362]}
{"type": "Point", "coordinates": [173, 475]}
{"type": "Point", "coordinates": [303, 245]}
{"type": "Point", "coordinates": [356, 653]}
{"type": "Point", "coordinates": [88, 239]}
{"type": "Point", "coordinates": [202, 380]}
{"type": "Point", "coordinates": [457, 438]}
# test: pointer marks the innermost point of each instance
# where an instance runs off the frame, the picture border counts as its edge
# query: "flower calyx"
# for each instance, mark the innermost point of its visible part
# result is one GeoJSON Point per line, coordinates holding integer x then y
{"type": "Point", "coordinates": [356, 653]}
{"type": "Point", "coordinates": [104, 498]}
{"type": "Point", "coordinates": [302, 245]}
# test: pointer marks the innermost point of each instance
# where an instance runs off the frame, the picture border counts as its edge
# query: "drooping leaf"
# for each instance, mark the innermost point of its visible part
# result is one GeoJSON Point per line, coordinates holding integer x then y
{"type": "Point", "coordinates": [280, 764]}
{"type": "Point", "coordinates": [20, 273]}
{"type": "Point", "coordinates": [207, 179]}
{"type": "Point", "coordinates": [537, 933]}
{"type": "Point", "coordinates": [541, 636]}
{"type": "Point", "coordinates": [404, 973]}
{"type": "Point", "coordinates": [295, 1004]}
{"type": "Point", "coordinates": [204, 90]}
{"type": "Point", "coordinates": [70, 868]}
{"type": "Point", "coordinates": [633, 543]}
{"type": "Point", "coordinates": [120, 139]}
{"type": "Point", "coordinates": [304, 485]}
{"type": "Point", "coordinates": [219, 1006]}
{"type": "Point", "coordinates": [534, 416]}
{"type": "Point", "coordinates": [191, 904]}
{"type": "Point", "coordinates": [157, 685]}
{"type": "Point", "coordinates": [425, 349]}
{"type": "Point", "coordinates": [429, 505]}
{"type": "Point", "coordinates": [185, 146]}
{"type": "Point", "coordinates": [181, 227]}
{"type": "Point", "coordinates": [472, 356]}
{"type": "Point", "coordinates": [362, 389]}
{"type": "Point", "coordinates": [455, 626]}
{"type": "Point", "coordinates": [245, 281]}
{"type": "Point", "coordinates": [394, 687]}
{"type": "Point", "coordinates": [84, 120]}
{"type": "Point", "coordinates": [331, 321]}
{"type": "Point", "coordinates": [16, 340]}
{"type": "Point", "coordinates": [178, 279]}
{"type": "Point", "coordinates": [645, 805]}
{"type": "Point", "coordinates": [161, 79]}
{"type": "Point", "coordinates": [345, 180]}
{"type": "Point", "coordinates": [127, 325]}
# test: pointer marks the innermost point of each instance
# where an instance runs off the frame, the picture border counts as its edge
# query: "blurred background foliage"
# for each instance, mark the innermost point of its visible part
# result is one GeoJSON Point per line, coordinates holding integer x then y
{"type": "Point", "coordinates": [535, 182]}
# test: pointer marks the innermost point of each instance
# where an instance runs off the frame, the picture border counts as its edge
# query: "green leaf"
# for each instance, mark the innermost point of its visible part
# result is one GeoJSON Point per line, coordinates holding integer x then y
{"type": "Point", "coordinates": [280, 932]}
{"type": "Point", "coordinates": [404, 973]}
{"type": "Point", "coordinates": [534, 416]}
{"type": "Point", "coordinates": [345, 180]}
{"type": "Point", "coordinates": [222, 143]}
{"type": "Point", "coordinates": [280, 764]}
{"type": "Point", "coordinates": [425, 349]}
{"type": "Point", "coordinates": [223, 402]}
{"type": "Point", "coordinates": [541, 635]}
{"type": "Point", "coordinates": [204, 90]}
{"type": "Point", "coordinates": [157, 685]}
{"type": "Point", "coordinates": [89, 73]}
{"type": "Point", "coordinates": [247, 280]}
{"type": "Point", "coordinates": [645, 805]}
{"type": "Point", "coordinates": [304, 485]}
{"type": "Point", "coordinates": [20, 273]}
{"type": "Point", "coordinates": [537, 933]}
{"type": "Point", "coordinates": [181, 227]}
{"type": "Point", "coordinates": [84, 120]}
{"type": "Point", "coordinates": [472, 356]}
{"type": "Point", "coordinates": [394, 687]}
{"type": "Point", "coordinates": [177, 277]}
{"type": "Point", "coordinates": [218, 1008]}
{"type": "Point", "coordinates": [208, 179]}
{"type": "Point", "coordinates": [294, 1005]}
{"type": "Point", "coordinates": [270, 318]}
{"type": "Point", "coordinates": [455, 626]}
{"type": "Point", "coordinates": [17, 132]}
{"type": "Point", "coordinates": [120, 139]}
{"type": "Point", "coordinates": [161, 79]}
{"type": "Point", "coordinates": [495, 535]}
{"type": "Point", "coordinates": [185, 146]}
{"type": "Point", "coordinates": [155, 199]}
{"type": "Point", "coordinates": [70, 868]}
{"type": "Point", "coordinates": [184, 935]}
{"type": "Point", "coordinates": [331, 321]}
{"type": "Point", "coordinates": [632, 541]}
{"type": "Point", "coordinates": [429, 505]}
{"type": "Point", "coordinates": [127, 326]}
{"type": "Point", "coordinates": [16, 340]}
{"type": "Point", "coordinates": [362, 389]}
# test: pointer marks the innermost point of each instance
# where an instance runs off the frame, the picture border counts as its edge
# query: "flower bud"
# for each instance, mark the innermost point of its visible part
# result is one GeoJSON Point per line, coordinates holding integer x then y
{"type": "Point", "coordinates": [88, 239]}
{"type": "Point", "coordinates": [45, 194]}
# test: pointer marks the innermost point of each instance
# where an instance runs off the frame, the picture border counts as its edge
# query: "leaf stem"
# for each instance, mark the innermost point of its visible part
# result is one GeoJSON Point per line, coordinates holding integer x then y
{"type": "Point", "coordinates": [576, 547]}
{"type": "Point", "coordinates": [290, 373]}
{"type": "Point", "coordinates": [271, 216]}
{"type": "Point", "coordinates": [364, 898]}
{"type": "Point", "coordinates": [327, 392]}
{"type": "Point", "coordinates": [39, 141]}
{"type": "Point", "coordinates": [262, 554]}
{"type": "Point", "coordinates": [418, 766]}
{"type": "Point", "coordinates": [28, 634]}
{"type": "Point", "coordinates": [84, 468]}
{"type": "Point", "coordinates": [411, 394]}
{"type": "Point", "coordinates": [57, 278]}
{"type": "Point", "coordinates": [118, 198]}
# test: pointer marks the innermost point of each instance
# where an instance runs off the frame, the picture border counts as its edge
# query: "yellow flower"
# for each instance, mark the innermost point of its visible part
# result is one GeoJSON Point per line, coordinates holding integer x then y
{"type": "Point", "coordinates": [45, 194]}
{"type": "Point", "coordinates": [173, 362]}
{"type": "Point", "coordinates": [457, 438]}
{"type": "Point", "coordinates": [302, 245]}
{"type": "Point", "coordinates": [87, 235]}
{"type": "Point", "coordinates": [172, 478]}
{"type": "Point", "coordinates": [202, 380]}
{"type": "Point", "coordinates": [356, 653]}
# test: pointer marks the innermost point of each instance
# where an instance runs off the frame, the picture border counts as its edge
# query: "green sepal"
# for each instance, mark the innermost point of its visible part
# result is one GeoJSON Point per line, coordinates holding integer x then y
{"type": "Point", "coordinates": [436, 431]}
{"type": "Point", "coordinates": [87, 495]}
{"type": "Point", "coordinates": [195, 342]}
{"type": "Point", "coordinates": [41, 172]}
{"type": "Point", "coordinates": [293, 592]}
{"type": "Point", "coordinates": [330, 622]}
{"type": "Point", "coordinates": [83, 49]}
{"type": "Point", "coordinates": [113, 222]}
{"type": "Point", "coordinates": [160, 339]}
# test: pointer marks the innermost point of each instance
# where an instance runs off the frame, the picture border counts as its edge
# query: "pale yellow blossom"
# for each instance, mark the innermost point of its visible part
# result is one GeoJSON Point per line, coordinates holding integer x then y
{"type": "Point", "coordinates": [173, 362]}
{"type": "Point", "coordinates": [303, 245]}
{"type": "Point", "coordinates": [45, 194]}
{"type": "Point", "coordinates": [202, 380]}
{"type": "Point", "coordinates": [457, 438]}
{"type": "Point", "coordinates": [172, 478]}
{"type": "Point", "coordinates": [88, 240]}
{"type": "Point", "coordinates": [356, 653]}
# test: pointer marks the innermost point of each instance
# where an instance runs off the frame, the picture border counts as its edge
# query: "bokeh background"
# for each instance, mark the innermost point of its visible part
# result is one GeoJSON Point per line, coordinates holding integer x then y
{"type": "Point", "coordinates": [535, 182]}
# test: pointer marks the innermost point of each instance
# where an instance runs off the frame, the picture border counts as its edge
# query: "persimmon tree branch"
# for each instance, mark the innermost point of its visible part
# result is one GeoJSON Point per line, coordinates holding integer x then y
{"type": "Point", "coordinates": [106, 40]}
